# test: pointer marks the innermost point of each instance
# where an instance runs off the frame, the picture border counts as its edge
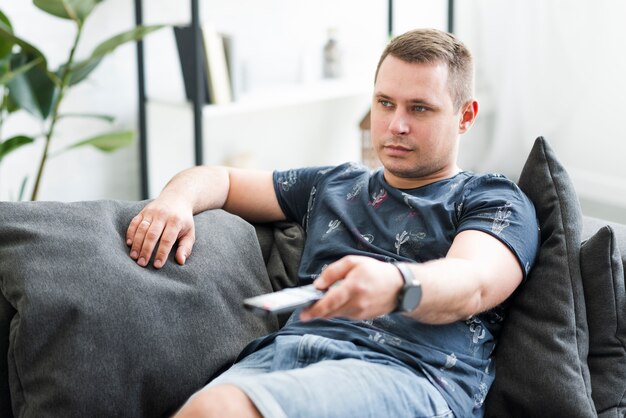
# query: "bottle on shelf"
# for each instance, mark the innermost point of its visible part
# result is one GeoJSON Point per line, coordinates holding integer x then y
{"type": "Point", "coordinates": [332, 56]}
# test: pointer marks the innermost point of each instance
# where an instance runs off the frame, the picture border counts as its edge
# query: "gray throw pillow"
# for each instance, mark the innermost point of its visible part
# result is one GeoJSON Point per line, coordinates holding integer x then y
{"type": "Point", "coordinates": [603, 282]}
{"type": "Point", "coordinates": [281, 245]}
{"type": "Point", "coordinates": [6, 313]}
{"type": "Point", "coordinates": [541, 368]}
{"type": "Point", "coordinates": [93, 334]}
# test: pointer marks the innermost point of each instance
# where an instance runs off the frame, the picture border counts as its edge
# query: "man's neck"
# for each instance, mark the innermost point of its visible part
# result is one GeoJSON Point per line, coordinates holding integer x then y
{"type": "Point", "coordinates": [416, 182]}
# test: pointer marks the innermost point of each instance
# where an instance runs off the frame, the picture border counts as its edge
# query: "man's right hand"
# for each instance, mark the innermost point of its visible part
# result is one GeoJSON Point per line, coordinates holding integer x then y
{"type": "Point", "coordinates": [169, 218]}
{"type": "Point", "coordinates": [163, 222]}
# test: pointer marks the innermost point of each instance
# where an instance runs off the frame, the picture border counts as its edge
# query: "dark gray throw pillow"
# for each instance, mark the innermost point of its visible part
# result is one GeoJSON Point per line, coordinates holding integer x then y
{"type": "Point", "coordinates": [603, 283]}
{"type": "Point", "coordinates": [281, 245]}
{"type": "Point", "coordinates": [93, 334]}
{"type": "Point", "coordinates": [6, 313]}
{"type": "Point", "coordinates": [541, 368]}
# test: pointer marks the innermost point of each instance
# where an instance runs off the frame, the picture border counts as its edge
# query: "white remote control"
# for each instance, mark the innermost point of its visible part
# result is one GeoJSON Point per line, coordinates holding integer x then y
{"type": "Point", "coordinates": [283, 301]}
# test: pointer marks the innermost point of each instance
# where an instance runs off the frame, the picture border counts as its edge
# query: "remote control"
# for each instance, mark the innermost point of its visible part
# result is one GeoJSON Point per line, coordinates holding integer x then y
{"type": "Point", "coordinates": [283, 301]}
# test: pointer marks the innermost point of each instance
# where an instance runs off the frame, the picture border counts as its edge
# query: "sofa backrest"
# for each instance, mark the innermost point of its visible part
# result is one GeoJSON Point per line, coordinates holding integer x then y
{"type": "Point", "coordinates": [30, 250]}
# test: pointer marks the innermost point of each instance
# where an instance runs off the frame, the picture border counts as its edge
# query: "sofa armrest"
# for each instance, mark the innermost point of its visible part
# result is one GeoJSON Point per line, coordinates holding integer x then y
{"type": "Point", "coordinates": [94, 334]}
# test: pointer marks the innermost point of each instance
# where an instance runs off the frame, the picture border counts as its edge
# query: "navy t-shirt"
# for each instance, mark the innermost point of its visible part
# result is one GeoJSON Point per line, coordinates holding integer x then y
{"type": "Point", "coordinates": [350, 210]}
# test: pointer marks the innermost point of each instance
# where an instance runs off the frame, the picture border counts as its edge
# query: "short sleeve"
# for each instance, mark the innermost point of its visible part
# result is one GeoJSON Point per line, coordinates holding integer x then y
{"type": "Point", "coordinates": [495, 205]}
{"type": "Point", "coordinates": [295, 190]}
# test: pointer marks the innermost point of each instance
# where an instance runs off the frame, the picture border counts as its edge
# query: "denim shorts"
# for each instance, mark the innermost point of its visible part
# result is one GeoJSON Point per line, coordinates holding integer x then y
{"type": "Point", "coordinates": [313, 376]}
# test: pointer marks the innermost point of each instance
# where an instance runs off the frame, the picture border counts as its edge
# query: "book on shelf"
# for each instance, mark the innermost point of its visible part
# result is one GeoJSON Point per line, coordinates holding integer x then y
{"type": "Point", "coordinates": [184, 43]}
{"type": "Point", "coordinates": [229, 52]}
{"type": "Point", "coordinates": [217, 64]}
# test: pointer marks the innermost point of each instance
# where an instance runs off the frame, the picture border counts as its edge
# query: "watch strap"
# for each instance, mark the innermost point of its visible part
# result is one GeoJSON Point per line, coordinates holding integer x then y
{"type": "Point", "coordinates": [409, 281]}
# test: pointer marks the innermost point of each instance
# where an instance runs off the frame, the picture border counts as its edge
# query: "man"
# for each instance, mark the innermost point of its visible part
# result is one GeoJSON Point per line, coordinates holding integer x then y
{"type": "Point", "coordinates": [444, 246]}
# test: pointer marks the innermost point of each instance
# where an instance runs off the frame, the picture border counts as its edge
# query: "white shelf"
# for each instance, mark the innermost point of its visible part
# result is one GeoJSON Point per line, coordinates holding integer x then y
{"type": "Point", "coordinates": [277, 128]}
{"type": "Point", "coordinates": [262, 99]}
{"type": "Point", "coordinates": [277, 96]}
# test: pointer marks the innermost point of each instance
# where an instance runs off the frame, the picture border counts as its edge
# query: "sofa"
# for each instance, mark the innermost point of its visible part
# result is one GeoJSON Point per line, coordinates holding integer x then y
{"type": "Point", "coordinates": [85, 332]}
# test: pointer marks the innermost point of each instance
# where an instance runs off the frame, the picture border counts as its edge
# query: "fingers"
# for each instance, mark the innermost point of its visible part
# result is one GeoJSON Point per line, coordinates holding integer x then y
{"type": "Point", "coordinates": [132, 229]}
{"type": "Point", "coordinates": [334, 299]}
{"type": "Point", "coordinates": [167, 241]}
{"type": "Point", "coordinates": [344, 299]}
{"type": "Point", "coordinates": [334, 272]}
{"type": "Point", "coordinates": [368, 289]}
{"type": "Point", "coordinates": [136, 233]}
{"type": "Point", "coordinates": [154, 228]}
{"type": "Point", "coordinates": [185, 244]}
{"type": "Point", "coordinates": [334, 303]}
{"type": "Point", "coordinates": [147, 235]}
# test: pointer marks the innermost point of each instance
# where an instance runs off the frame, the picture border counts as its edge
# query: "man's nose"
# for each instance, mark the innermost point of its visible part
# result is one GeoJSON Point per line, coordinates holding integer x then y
{"type": "Point", "coordinates": [399, 123]}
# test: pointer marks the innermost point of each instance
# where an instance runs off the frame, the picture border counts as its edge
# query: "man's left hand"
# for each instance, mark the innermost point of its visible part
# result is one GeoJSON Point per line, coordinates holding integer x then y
{"type": "Point", "coordinates": [368, 289]}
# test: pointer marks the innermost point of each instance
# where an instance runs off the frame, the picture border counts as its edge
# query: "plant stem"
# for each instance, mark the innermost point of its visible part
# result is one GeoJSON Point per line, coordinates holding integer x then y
{"type": "Point", "coordinates": [65, 81]}
{"type": "Point", "coordinates": [3, 106]}
{"type": "Point", "coordinates": [3, 113]}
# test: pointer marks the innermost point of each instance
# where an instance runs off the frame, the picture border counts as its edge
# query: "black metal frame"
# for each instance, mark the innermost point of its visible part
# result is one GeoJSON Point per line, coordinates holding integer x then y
{"type": "Point", "coordinates": [141, 83]}
{"type": "Point", "coordinates": [198, 99]}
{"type": "Point", "coordinates": [199, 88]}
{"type": "Point", "coordinates": [390, 17]}
{"type": "Point", "coordinates": [451, 16]}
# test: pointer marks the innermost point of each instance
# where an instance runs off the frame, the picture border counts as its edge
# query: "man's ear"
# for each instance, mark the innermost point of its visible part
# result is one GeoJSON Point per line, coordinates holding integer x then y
{"type": "Point", "coordinates": [468, 115]}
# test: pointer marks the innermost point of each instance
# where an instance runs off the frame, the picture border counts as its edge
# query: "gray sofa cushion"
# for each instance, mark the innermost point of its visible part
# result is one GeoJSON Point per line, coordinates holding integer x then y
{"type": "Point", "coordinates": [541, 368]}
{"type": "Point", "coordinates": [603, 282]}
{"type": "Point", "coordinates": [93, 334]}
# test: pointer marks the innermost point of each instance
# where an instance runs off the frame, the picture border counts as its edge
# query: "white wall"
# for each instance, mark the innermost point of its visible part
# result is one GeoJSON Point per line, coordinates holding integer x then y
{"type": "Point", "coordinates": [552, 68]}
{"type": "Point", "coordinates": [545, 67]}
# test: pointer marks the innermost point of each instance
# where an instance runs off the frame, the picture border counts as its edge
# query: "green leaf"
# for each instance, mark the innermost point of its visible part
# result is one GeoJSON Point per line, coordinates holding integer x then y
{"type": "Point", "coordinates": [76, 10]}
{"type": "Point", "coordinates": [10, 74]}
{"type": "Point", "coordinates": [33, 91]}
{"type": "Point", "coordinates": [108, 142]}
{"type": "Point", "coordinates": [5, 22]}
{"type": "Point", "coordinates": [11, 106]}
{"type": "Point", "coordinates": [82, 69]}
{"type": "Point", "coordinates": [106, 118]}
{"type": "Point", "coordinates": [5, 66]}
{"type": "Point", "coordinates": [6, 35]}
{"type": "Point", "coordinates": [14, 143]}
{"type": "Point", "coordinates": [5, 45]}
{"type": "Point", "coordinates": [38, 75]}
{"type": "Point", "coordinates": [134, 34]}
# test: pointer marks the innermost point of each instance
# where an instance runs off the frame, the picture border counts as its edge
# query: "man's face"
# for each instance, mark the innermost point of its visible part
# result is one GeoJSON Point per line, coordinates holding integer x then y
{"type": "Point", "coordinates": [415, 128]}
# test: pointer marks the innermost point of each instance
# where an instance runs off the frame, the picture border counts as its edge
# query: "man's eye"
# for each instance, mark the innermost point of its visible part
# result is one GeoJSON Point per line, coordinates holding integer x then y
{"type": "Point", "coordinates": [419, 109]}
{"type": "Point", "coordinates": [385, 103]}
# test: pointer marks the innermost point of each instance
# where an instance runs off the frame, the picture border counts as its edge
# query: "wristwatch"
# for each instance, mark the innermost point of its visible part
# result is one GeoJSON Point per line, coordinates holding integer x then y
{"type": "Point", "coordinates": [411, 293]}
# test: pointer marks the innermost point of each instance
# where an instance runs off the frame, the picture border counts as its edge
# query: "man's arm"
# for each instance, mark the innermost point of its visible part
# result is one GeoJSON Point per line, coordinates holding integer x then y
{"type": "Point", "coordinates": [478, 273]}
{"type": "Point", "coordinates": [169, 218]}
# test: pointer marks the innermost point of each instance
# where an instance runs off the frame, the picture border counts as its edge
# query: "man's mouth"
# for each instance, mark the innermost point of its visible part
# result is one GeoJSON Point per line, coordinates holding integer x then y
{"type": "Point", "coordinates": [396, 149]}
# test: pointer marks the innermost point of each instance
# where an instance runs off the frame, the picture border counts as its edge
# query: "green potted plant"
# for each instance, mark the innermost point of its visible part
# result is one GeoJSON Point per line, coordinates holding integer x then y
{"type": "Point", "coordinates": [27, 84]}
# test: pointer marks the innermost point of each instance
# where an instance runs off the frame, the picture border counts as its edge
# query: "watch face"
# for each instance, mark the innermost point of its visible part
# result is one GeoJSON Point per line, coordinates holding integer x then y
{"type": "Point", "coordinates": [411, 297]}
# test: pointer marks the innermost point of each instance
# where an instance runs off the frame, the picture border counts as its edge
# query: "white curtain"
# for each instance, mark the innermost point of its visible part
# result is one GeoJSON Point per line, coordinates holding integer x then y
{"type": "Point", "coordinates": [555, 68]}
